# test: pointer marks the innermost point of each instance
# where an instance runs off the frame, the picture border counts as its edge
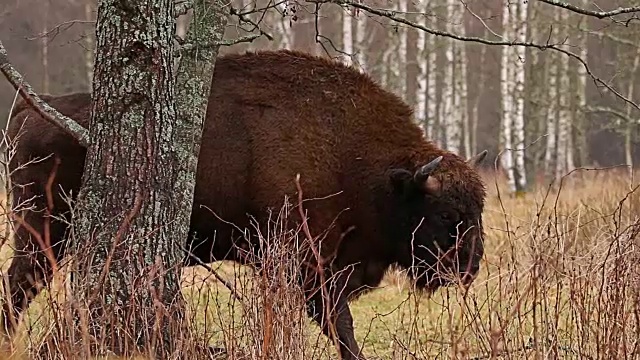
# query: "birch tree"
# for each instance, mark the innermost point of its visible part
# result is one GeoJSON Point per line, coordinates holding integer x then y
{"type": "Point", "coordinates": [460, 103]}
{"type": "Point", "coordinates": [44, 43]}
{"type": "Point", "coordinates": [423, 70]}
{"type": "Point", "coordinates": [284, 31]}
{"type": "Point", "coordinates": [564, 155]}
{"type": "Point", "coordinates": [402, 51]}
{"type": "Point", "coordinates": [361, 41]}
{"type": "Point", "coordinates": [630, 124]}
{"type": "Point", "coordinates": [347, 36]}
{"type": "Point", "coordinates": [512, 80]}
{"type": "Point", "coordinates": [89, 43]}
{"type": "Point", "coordinates": [551, 123]}
{"type": "Point", "coordinates": [394, 57]}
{"type": "Point", "coordinates": [453, 93]}
{"type": "Point", "coordinates": [134, 204]}
{"type": "Point", "coordinates": [579, 121]}
{"type": "Point", "coordinates": [432, 118]}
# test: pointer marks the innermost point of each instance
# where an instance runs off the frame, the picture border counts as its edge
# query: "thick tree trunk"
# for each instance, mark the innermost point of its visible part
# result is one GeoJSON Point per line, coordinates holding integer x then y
{"type": "Point", "coordinates": [134, 205]}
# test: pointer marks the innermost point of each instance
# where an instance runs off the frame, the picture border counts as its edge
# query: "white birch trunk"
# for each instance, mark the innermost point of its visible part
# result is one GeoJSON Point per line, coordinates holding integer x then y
{"type": "Point", "coordinates": [423, 69]}
{"type": "Point", "coordinates": [551, 152]}
{"type": "Point", "coordinates": [347, 36]}
{"type": "Point", "coordinates": [461, 130]}
{"type": "Point", "coordinates": [506, 88]}
{"type": "Point", "coordinates": [402, 51]}
{"type": "Point", "coordinates": [520, 27]}
{"type": "Point", "coordinates": [450, 115]}
{"type": "Point", "coordinates": [285, 32]}
{"type": "Point", "coordinates": [564, 116]}
{"type": "Point", "coordinates": [446, 110]}
{"type": "Point", "coordinates": [88, 41]}
{"type": "Point", "coordinates": [564, 110]}
{"type": "Point", "coordinates": [388, 67]}
{"type": "Point", "coordinates": [432, 95]}
{"type": "Point", "coordinates": [361, 41]}
{"type": "Point", "coordinates": [629, 126]}
{"type": "Point", "coordinates": [476, 106]}
{"type": "Point", "coordinates": [581, 74]}
{"type": "Point", "coordinates": [44, 40]}
{"type": "Point", "coordinates": [551, 115]}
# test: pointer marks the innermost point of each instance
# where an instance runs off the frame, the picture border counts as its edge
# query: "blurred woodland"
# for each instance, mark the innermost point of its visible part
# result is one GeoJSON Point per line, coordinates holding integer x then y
{"type": "Point", "coordinates": [543, 104]}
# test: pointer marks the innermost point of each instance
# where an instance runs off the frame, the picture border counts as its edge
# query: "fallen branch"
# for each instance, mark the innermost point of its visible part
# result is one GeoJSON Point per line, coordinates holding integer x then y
{"type": "Point", "coordinates": [50, 114]}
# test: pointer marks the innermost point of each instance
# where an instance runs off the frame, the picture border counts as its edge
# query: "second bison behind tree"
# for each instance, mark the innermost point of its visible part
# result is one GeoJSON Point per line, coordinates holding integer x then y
{"type": "Point", "coordinates": [390, 196]}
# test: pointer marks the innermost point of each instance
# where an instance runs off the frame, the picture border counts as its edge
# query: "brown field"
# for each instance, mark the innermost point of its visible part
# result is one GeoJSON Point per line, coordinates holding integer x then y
{"type": "Point", "coordinates": [560, 279]}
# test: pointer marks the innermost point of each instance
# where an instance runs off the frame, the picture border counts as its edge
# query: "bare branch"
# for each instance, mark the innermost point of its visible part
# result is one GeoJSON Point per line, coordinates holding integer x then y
{"type": "Point", "coordinates": [606, 35]}
{"type": "Point", "coordinates": [598, 14]}
{"type": "Point", "coordinates": [389, 14]}
{"type": "Point", "coordinates": [50, 114]}
{"type": "Point", "coordinates": [243, 18]}
{"type": "Point", "coordinates": [607, 110]}
{"type": "Point", "coordinates": [242, 39]}
{"type": "Point", "coordinates": [64, 26]}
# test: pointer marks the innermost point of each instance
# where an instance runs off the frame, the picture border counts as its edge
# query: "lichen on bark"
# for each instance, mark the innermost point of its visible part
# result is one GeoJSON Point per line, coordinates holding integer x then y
{"type": "Point", "coordinates": [134, 205]}
{"type": "Point", "coordinates": [193, 85]}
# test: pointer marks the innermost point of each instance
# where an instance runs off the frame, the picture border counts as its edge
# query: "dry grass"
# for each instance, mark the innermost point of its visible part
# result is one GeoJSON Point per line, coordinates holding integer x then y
{"type": "Point", "coordinates": [560, 279]}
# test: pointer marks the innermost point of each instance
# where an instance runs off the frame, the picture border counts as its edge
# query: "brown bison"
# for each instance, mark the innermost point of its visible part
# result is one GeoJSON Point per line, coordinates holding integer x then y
{"type": "Point", "coordinates": [390, 196]}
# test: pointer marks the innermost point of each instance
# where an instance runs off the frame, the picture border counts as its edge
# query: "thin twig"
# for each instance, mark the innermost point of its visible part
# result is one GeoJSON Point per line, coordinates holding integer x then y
{"type": "Point", "coordinates": [227, 284]}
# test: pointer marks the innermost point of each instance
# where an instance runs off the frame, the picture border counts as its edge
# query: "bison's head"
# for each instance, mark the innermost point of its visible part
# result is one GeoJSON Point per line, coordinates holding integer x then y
{"type": "Point", "coordinates": [438, 215]}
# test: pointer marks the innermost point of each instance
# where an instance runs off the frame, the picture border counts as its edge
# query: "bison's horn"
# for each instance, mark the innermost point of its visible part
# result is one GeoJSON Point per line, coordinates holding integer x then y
{"type": "Point", "coordinates": [423, 173]}
{"type": "Point", "coordinates": [477, 159]}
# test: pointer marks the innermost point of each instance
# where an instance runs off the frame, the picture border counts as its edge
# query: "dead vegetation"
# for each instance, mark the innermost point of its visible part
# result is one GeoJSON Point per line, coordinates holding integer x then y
{"type": "Point", "coordinates": [559, 279]}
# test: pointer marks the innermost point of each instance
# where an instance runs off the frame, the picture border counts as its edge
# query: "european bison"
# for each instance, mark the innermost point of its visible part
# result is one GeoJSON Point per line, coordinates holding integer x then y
{"type": "Point", "coordinates": [396, 199]}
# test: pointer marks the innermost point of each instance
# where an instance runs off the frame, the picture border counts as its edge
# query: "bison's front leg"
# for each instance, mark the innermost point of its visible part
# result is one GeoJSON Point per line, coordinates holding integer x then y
{"type": "Point", "coordinates": [333, 299]}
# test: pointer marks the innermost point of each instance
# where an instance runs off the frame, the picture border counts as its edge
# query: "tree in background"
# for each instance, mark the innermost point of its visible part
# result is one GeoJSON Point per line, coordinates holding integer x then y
{"type": "Point", "coordinates": [514, 22]}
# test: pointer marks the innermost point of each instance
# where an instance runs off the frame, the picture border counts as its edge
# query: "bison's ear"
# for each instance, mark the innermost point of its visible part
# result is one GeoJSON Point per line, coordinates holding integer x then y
{"type": "Point", "coordinates": [476, 160]}
{"type": "Point", "coordinates": [401, 180]}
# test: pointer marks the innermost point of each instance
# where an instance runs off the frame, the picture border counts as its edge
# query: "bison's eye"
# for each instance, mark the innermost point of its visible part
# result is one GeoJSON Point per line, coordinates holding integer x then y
{"type": "Point", "coordinates": [448, 216]}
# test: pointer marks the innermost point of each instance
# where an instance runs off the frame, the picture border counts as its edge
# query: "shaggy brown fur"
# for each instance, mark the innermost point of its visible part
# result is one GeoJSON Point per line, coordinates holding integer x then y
{"type": "Point", "coordinates": [274, 115]}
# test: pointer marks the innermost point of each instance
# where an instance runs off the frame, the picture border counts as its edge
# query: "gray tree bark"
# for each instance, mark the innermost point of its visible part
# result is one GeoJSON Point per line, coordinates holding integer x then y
{"type": "Point", "coordinates": [134, 205]}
